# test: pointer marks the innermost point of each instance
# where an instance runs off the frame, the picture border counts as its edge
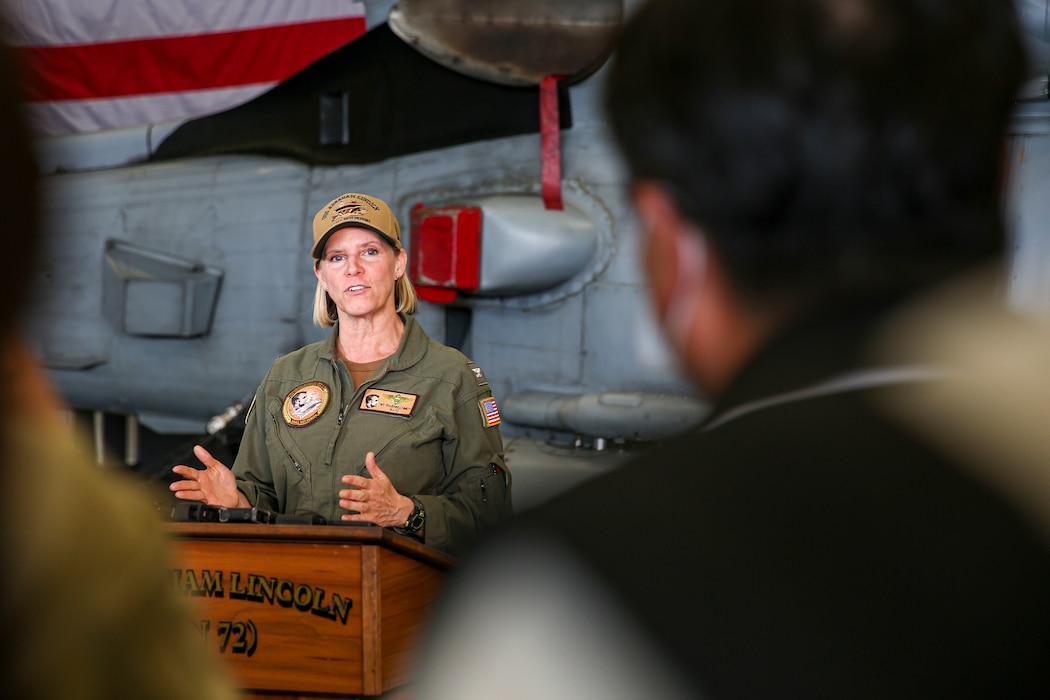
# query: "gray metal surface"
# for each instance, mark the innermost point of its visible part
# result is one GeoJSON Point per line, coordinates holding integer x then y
{"type": "Point", "coordinates": [564, 333]}
{"type": "Point", "coordinates": [512, 42]}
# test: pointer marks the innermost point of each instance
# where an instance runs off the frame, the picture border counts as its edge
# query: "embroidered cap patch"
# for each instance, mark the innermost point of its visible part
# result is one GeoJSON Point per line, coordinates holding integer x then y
{"type": "Point", "coordinates": [305, 403]}
{"type": "Point", "coordinates": [390, 402]}
{"type": "Point", "coordinates": [489, 411]}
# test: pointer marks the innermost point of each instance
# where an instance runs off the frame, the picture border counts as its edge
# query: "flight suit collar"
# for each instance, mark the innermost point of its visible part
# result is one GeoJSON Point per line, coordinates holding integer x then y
{"type": "Point", "coordinates": [411, 350]}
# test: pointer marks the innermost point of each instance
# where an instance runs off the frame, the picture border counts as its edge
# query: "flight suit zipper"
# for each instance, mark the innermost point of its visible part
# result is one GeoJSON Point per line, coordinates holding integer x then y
{"type": "Point", "coordinates": [343, 376]}
{"type": "Point", "coordinates": [277, 432]}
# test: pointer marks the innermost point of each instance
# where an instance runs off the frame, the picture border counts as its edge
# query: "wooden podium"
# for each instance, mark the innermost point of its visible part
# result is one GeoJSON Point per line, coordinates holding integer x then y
{"type": "Point", "coordinates": [309, 610]}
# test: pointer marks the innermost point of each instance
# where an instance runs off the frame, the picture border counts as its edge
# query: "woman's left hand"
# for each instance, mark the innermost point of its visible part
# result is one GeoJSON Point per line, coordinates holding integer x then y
{"type": "Point", "coordinates": [375, 500]}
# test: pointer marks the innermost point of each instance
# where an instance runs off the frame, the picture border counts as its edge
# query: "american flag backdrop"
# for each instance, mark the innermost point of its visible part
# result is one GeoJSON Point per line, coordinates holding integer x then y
{"type": "Point", "coordinates": [104, 64]}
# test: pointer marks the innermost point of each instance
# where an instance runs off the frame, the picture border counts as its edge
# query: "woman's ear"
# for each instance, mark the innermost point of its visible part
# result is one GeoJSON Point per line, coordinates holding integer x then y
{"type": "Point", "coordinates": [399, 265]}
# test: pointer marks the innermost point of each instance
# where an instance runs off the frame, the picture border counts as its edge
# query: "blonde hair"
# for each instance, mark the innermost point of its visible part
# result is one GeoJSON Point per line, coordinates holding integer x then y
{"type": "Point", "coordinates": [325, 313]}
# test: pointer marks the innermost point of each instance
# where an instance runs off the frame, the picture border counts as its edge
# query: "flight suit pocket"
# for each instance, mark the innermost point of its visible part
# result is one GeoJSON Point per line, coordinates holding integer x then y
{"type": "Point", "coordinates": [292, 482]}
{"type": "Point", "coordinates": [412, 453]}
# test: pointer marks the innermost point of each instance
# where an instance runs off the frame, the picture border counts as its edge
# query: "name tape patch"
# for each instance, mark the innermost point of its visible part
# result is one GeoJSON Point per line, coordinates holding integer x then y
{"type": "Point", "coordinates": [392, 403]}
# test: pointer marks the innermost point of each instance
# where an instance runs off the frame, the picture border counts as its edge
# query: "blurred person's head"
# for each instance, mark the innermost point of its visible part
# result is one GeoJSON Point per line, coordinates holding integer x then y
{"type": "Point", "coordinates": [18, 230]}
{"type": "Point", "coordinates": [819, 151]}
{"type": "Point", "coordinates": [847, 145]}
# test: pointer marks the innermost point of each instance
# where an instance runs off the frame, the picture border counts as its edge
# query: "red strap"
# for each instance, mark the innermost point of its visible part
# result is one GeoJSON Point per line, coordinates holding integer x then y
{"type": "Point", "coordinates": [550, 142]}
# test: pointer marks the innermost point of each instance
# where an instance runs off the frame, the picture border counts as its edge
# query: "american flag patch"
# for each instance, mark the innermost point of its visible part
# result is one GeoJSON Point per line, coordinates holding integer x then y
{"type": "Point", "coordinates": [489, 412]}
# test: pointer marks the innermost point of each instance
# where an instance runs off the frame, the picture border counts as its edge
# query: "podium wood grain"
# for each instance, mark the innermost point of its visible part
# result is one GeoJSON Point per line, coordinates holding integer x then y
{"type": "Point", "coordinates": [272, 602]}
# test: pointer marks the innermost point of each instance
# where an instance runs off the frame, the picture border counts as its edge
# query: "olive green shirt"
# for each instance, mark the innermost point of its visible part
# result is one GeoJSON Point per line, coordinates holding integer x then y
{"type": "Point", "coordinates": [427, 413]}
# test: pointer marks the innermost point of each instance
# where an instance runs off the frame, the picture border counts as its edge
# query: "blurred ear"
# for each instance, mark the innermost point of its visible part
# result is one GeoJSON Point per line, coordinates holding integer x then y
{"type": "Point", "coordinates": [28, 381]}
{"type": "Point", "coordinates": [661, 228]}
{"type": "Point", "coordinates": [707, 326]}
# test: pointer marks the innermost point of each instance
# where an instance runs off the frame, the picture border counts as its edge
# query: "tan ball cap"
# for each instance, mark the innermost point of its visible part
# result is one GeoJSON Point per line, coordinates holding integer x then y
{"type": "Point", "coordinates": [355, 210]}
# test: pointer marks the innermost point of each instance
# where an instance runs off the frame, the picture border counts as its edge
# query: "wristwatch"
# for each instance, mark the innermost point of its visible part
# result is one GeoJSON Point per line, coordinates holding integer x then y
{"type": "Point", "coordinates": [415, 519]}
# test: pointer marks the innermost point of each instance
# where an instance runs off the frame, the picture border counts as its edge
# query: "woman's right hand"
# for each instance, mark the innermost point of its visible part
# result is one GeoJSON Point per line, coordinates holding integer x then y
{"type": "Point", "coordinates": [215, 485]}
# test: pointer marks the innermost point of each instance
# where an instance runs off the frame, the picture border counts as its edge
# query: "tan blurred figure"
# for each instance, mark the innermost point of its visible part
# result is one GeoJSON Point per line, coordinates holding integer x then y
{"type": "Point", "coordinates": [88, 607]}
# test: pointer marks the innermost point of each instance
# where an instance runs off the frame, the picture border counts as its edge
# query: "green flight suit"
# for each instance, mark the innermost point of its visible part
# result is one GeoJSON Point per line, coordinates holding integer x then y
{"type": "Point", "coordinates": [427, 413]}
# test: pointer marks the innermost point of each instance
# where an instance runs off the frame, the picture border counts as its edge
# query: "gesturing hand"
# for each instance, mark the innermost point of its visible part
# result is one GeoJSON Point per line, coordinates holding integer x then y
{"type": "Point", "coordinates": [215, 485]}
{"type": "Point", "coordinates": [375, 500]}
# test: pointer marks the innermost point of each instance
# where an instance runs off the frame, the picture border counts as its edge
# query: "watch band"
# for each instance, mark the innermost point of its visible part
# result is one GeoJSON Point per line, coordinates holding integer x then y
{"type": "Point", "coordinates": [415, 519]}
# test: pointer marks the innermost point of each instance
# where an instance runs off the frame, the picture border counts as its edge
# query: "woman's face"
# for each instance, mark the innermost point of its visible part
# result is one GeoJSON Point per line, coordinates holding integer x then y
{"type": "Point", "coordinates": [359, 270]}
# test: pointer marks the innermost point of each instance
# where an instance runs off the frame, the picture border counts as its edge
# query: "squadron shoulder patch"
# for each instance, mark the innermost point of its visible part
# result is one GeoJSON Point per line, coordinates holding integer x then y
{"type": "Point", "coordinates": [392, 403]}
{"type": "Point", "coordinates": [479, 376]}
{"type": "Point", "coordinates": [489, 412]}
{"type": "Point", "coordinates": [305, 403]}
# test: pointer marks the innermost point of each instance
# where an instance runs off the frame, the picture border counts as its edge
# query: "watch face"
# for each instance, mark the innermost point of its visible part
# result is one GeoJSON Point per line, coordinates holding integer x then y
{"type": "Point", "coordinates": [416, 518]}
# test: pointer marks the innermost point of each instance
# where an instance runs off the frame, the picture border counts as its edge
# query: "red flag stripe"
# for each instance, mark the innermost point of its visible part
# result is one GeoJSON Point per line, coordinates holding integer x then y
{"type": "Point", "coordinates": [177, 63]}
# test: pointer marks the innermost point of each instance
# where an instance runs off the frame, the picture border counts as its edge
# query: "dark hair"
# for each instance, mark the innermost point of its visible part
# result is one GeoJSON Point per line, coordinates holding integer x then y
{"type": "Point", "coordinates": [18, 194]}
{"type": "Point", "coordinates": [825, 146]}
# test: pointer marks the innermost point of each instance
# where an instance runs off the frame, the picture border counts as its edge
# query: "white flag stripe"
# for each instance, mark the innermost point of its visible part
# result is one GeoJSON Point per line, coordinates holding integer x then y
{"type": "Point", "coordinates": [57, 23]}
{"type": "Point", "coordinates": [168, 47]}
{"type": "Point", "coordinates": [74, 116]}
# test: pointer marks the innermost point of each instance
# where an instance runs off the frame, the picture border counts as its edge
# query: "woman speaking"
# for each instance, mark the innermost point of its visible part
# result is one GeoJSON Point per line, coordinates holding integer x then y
{"type": "Point", "coordinates": [377, 392]}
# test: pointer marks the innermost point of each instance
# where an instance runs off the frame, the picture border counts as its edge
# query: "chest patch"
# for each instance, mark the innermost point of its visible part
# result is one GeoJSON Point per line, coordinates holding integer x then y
{"type": "Point", "coordinates": [305, 403]}
{"type": "Point", "coordinates": [389, 402]}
